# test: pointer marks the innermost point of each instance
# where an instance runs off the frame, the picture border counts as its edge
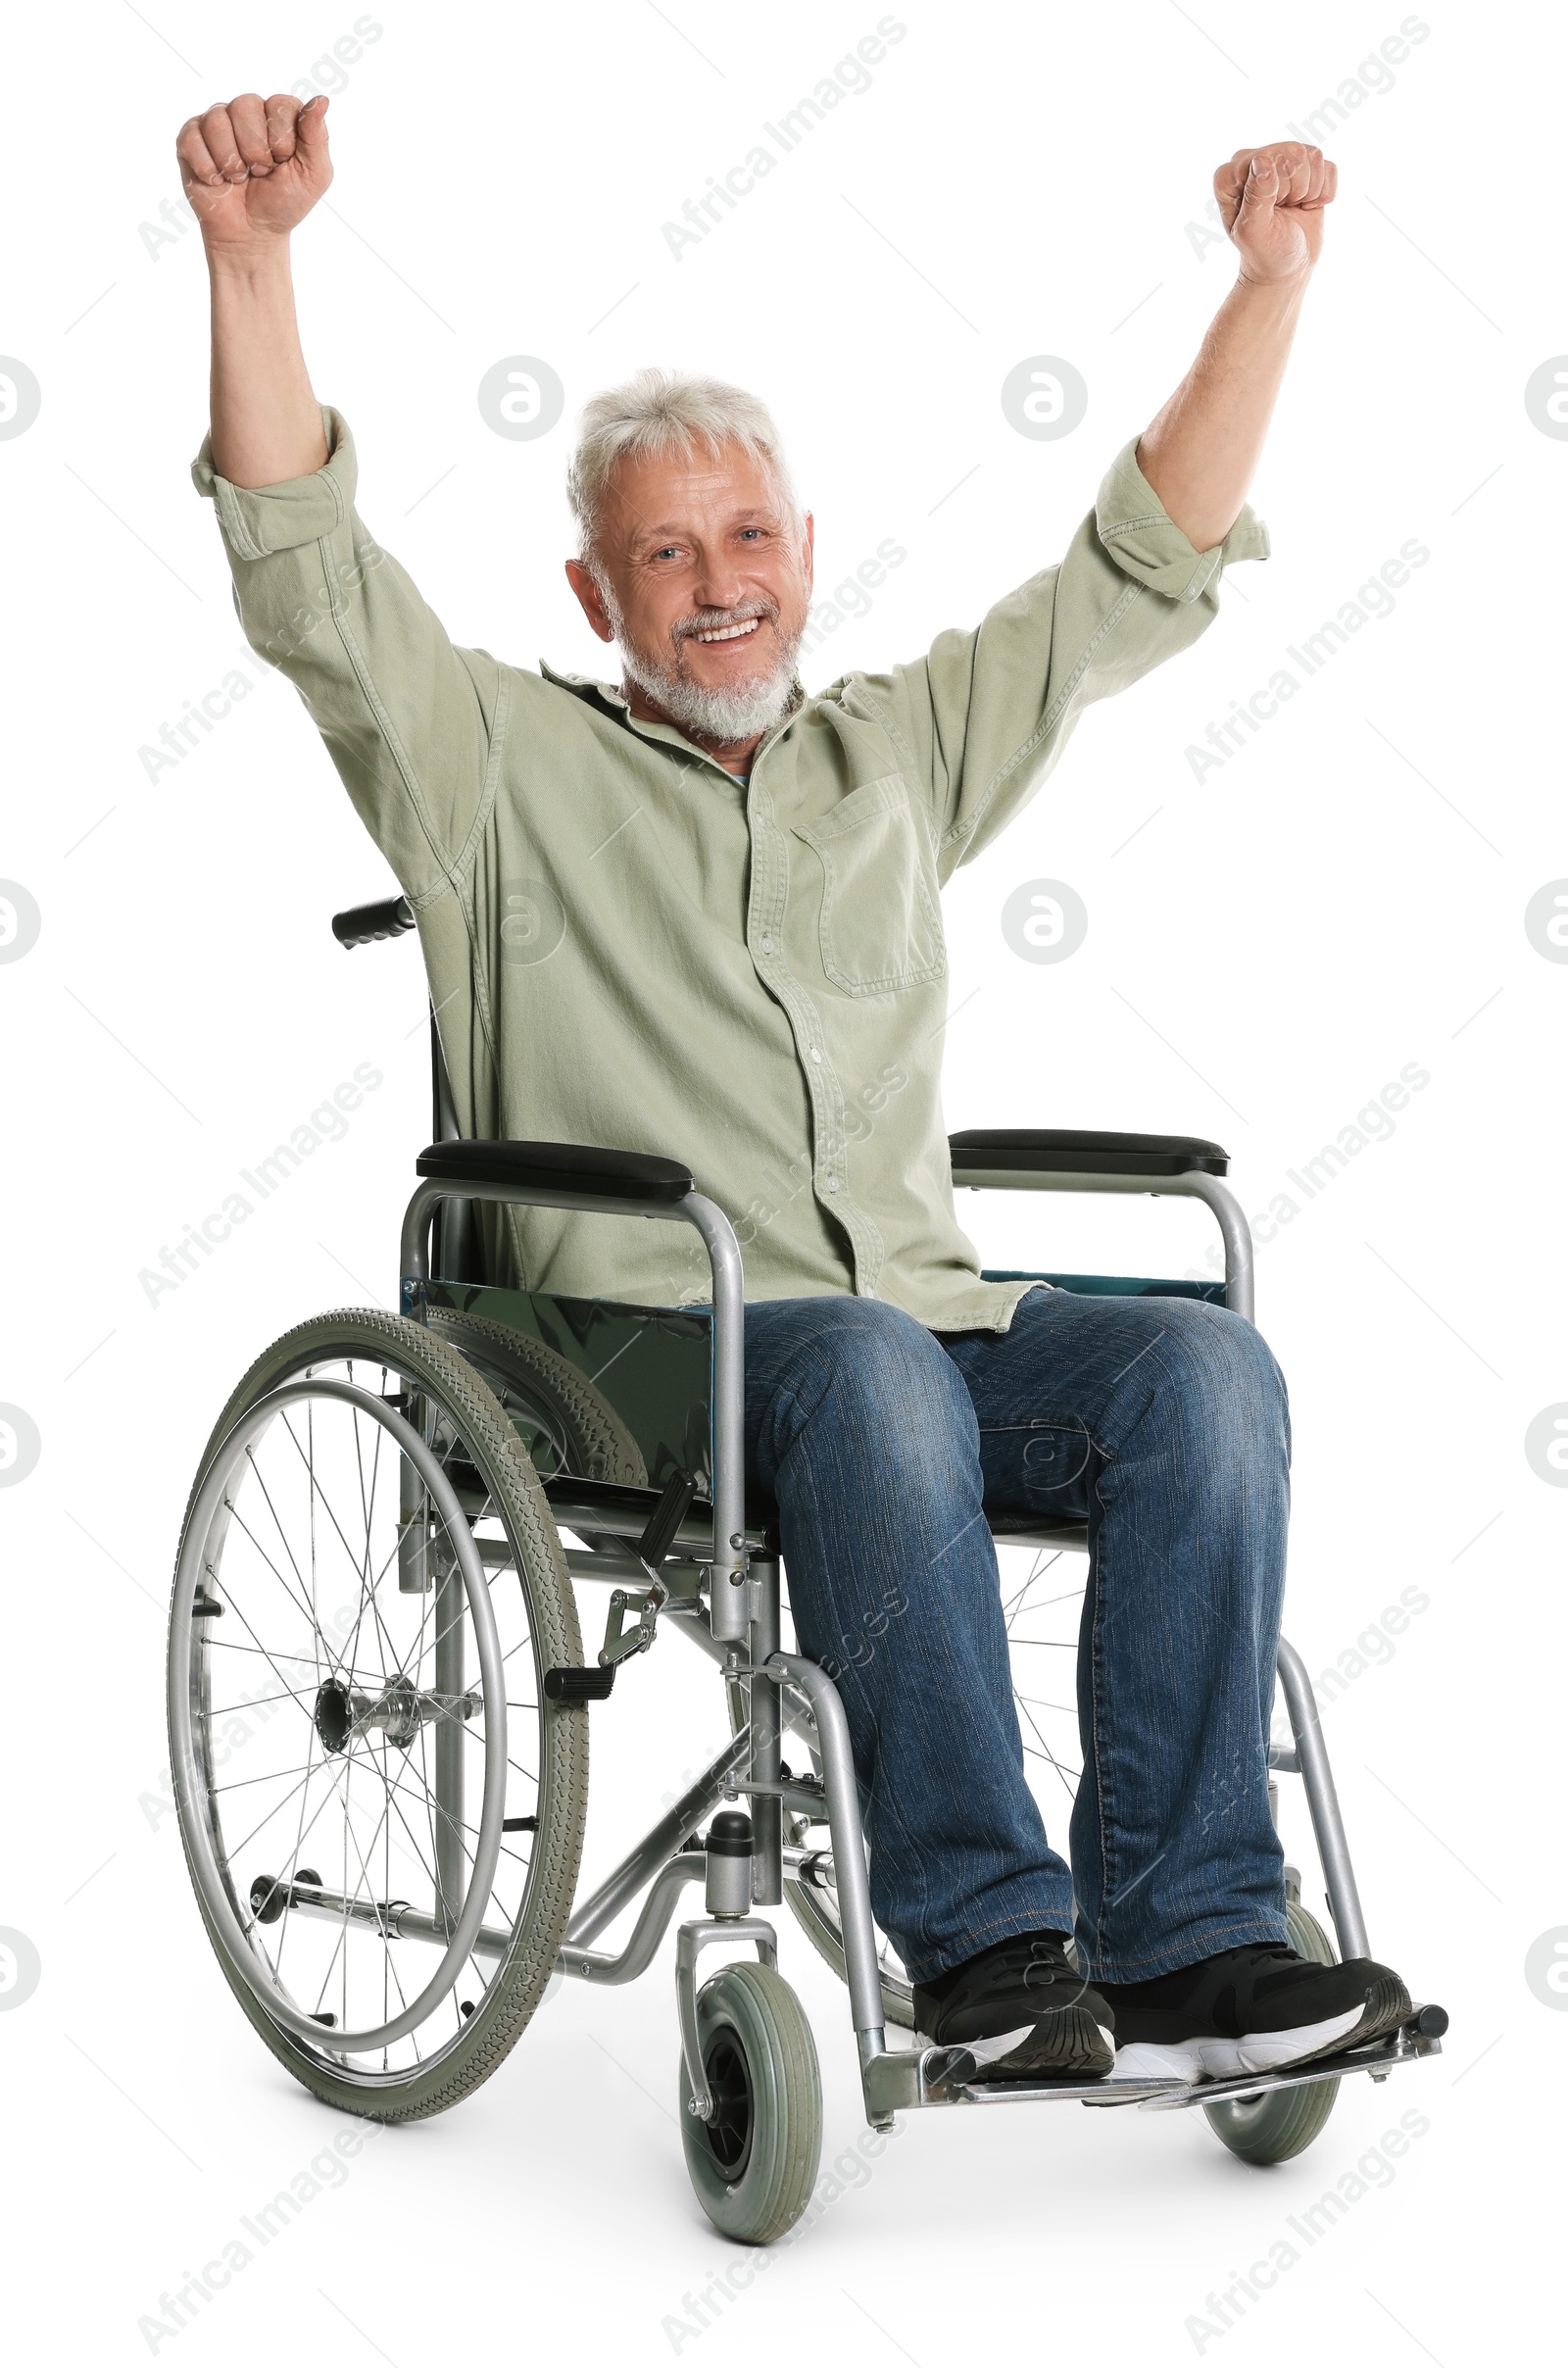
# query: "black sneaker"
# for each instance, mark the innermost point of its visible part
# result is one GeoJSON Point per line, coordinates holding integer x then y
{"type": "Point", "coordinates": [1252, 2009]}
{"type": "Point", "coordinates": [1021, 2013]}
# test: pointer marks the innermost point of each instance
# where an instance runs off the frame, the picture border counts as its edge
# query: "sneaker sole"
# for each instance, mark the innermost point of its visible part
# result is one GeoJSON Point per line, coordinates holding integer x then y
{"type": "Point", "coordinates": [1210, 2056]}
{"type": "Point", "coordinates": [1068, 2045]}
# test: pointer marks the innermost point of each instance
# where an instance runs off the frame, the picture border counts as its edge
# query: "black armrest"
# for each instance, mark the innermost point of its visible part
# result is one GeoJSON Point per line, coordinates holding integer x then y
{"type": "Point", "coordinates": [1063, 1150]}
{"type": "Point", "coordinates": [362, 925]}
{"type": "Point", "coordinates": [609, 1175]}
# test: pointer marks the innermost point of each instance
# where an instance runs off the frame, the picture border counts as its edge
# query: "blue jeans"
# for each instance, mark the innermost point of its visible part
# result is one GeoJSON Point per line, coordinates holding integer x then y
{"type": "Point", "coordinates": [1162, 1423]}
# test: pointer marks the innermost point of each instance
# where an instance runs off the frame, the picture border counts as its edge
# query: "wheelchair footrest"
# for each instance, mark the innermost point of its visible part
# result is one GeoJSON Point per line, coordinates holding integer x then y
{"type": "Point", "coordinates": [578, 1685]}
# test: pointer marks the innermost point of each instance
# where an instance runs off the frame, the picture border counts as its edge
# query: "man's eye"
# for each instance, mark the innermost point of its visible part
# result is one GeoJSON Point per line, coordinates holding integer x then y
{"type": "Point", "coordinates": [669, 552]}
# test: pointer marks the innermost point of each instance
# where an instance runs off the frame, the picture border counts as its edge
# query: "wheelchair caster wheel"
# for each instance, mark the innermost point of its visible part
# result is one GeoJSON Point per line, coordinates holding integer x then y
{"type": "Point", "coordinates": [1282, 2122]}
{"type": "Point", "coordinates": [753, 2165]}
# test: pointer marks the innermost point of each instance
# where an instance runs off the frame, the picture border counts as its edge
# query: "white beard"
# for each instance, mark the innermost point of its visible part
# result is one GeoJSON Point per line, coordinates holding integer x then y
{"type": "Point", "coordinates": [741, 711]}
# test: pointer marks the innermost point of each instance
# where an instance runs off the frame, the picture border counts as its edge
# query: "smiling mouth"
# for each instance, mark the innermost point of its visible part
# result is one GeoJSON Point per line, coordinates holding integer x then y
{"type": "Point", "coordinates": [729, 632]}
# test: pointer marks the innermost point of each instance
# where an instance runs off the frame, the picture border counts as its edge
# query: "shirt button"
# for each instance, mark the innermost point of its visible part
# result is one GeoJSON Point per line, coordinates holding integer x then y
{"type": "Point", "coordinates": [815, 1054]}
{"type": "Point", "coordinates": [830, 1184]}
{"type": "Point", "coordinates": [768, 945]}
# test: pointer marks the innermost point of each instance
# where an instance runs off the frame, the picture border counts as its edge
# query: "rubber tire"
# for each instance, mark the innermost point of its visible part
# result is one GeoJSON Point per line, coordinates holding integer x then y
{"type": "Point", "coordinates": [1282, 2122]}
{"type": "Point", "coordinates": [761, 2014]}
{"type": "Point", "coordinates": [519, 1984]}
{"type": "Point", "coordinates": [602, 1447]}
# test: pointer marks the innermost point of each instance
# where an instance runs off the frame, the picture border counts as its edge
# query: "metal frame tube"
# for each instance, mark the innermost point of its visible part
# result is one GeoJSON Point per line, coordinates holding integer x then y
{"type": "Point", "coordinates": [767, 1812]}
{"type": "Point", "coordinates": [413, 1565]}
{"type": "Point", "coordinates": [450, 1859]}
{"type": "Point", "coordinates": [728, 1607]}
{"type": "Point", "coordinates": [1194, 1185]}
{"type": "Point", "coordinates": [849, 1850]}
{"type": "Point", "coordinates": [640, 1865]}
{"type": "Point", "coordinates": [396, 1920]}
{"type": "Point", "coordinates": [392, 1919]}
{"type": "Point", "coordinates": [690, 1938]}
{"type": "Point", "coordinates": [653, 1923]}
{"type": "Point", "coordinates": [1328, 1825]}
{"type": "Point", "coordinates": [1236, 1233]}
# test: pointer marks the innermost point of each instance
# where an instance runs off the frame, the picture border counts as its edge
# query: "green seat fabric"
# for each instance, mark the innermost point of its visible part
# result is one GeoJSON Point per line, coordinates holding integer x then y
{"type": "Point", "coordinates": [1114, 1286]}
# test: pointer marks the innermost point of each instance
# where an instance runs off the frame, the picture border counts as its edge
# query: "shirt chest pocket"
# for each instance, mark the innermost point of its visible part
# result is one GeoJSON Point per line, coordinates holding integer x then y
{"type": "Point", "coordinates": [881, 926]}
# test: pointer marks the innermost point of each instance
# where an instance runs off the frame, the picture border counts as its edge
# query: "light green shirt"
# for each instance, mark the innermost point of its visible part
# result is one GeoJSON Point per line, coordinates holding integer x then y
{"type": "Point", "coordinates": [628, 947]}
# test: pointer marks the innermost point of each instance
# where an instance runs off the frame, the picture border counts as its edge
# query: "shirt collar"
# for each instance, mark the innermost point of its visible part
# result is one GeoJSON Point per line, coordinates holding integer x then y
{"type": "Point", "coordinates": [583, 686]}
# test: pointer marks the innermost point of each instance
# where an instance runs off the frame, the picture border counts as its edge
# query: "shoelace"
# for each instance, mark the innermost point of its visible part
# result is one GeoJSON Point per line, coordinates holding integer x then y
{"type": "Point", "coordinates": [1040, 1963]}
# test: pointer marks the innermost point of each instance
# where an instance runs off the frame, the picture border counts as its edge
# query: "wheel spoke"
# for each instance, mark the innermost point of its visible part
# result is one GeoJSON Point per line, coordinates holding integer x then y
{"type": "Point", "coordinates": [273, 1776]}
{"type": "Point", "coordinates": [234, 1851]}
{"type": "Point", "coordinates": [1068, 1595]}
{"type": "Point", "coordinates": [369, 1594]}
{"type": "Point", "coordinates": [257, 1702]}
{"type": "Point", "coordinates": [294, 1860]}
{"type": "Point", "coordinates": [298, 1601]}
{"type": "Point", "coordinates": [256, 1645]}
{"type": "Point", "coordinates": [1045, 1753]}
{"type": "Point", "coordinates": [326, 1508]}
{"type": "Point", "coordinates": [367, 1598]}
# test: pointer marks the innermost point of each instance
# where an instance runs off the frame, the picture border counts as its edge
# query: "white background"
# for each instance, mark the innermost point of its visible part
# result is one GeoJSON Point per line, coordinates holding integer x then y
{"type": "Point", "coordinates": [1342, 897]}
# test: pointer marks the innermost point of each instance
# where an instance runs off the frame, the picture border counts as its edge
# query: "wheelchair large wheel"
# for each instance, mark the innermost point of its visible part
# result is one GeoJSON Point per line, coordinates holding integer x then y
{"type": "Point", "coordinates": [1279, 2123]}
{"type": "Point", "coordinates": [381, 1811]}
{"type": "Point", "coordinates": [753, 2165]}
{"type": "Point", "coordinates": [565, 1422]}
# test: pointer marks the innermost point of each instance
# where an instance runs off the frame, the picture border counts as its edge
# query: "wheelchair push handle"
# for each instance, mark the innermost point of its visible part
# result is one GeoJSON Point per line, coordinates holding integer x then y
{"type": "Point", "coordinates": [364, 924]}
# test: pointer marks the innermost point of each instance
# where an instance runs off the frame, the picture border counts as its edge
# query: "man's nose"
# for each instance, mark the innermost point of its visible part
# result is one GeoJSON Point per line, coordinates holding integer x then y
{"type": "Point", "coordinates": [717, 582]}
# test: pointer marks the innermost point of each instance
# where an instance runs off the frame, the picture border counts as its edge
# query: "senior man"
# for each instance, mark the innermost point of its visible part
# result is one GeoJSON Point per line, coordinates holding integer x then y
{"type": "Point", "coordinates": [697, 916]}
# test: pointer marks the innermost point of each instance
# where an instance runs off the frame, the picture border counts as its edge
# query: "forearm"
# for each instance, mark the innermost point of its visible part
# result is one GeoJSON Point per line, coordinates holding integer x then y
{"type": "Point", "coordinates": [1200, 452]}
{"type": "Point", "coordinates": [267, 423]}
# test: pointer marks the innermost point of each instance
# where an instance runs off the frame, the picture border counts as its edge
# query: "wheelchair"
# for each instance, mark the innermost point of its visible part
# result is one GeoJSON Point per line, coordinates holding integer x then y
{"type": "Point", "coordinates": [390, 1529]}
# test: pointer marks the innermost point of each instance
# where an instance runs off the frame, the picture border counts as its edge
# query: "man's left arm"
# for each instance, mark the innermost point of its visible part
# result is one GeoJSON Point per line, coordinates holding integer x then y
{"type": "Point", "coordinates": [1201, 451]}
{"type": "Point", "coordinates": [985, 714]}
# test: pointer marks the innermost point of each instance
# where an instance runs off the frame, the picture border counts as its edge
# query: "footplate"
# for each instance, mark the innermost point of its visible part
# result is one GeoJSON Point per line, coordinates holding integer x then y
{"type": "Point", "coordinates": [901, 2080]}
{"type": "Point", "coordinates": [1406, 2045]}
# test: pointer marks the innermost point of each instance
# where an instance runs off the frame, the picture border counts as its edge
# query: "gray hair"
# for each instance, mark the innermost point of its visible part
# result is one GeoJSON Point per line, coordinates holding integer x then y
{"type": "Point", "coordinates": [666, 411]}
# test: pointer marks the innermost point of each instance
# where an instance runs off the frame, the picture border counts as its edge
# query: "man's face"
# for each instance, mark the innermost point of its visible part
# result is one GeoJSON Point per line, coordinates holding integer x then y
{"type": "Point", "coordinates": [707, 581]}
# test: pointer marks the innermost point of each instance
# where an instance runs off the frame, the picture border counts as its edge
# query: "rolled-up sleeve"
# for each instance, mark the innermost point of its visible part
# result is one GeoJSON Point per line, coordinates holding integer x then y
{"type": "Point", "coordinates": [986, 713]}
{"type": "Point", "coordinates": [413, 725]}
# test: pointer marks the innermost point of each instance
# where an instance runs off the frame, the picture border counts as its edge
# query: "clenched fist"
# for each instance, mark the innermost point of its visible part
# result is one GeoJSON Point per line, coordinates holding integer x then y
{"type": "Point", "coordinates": [1271, 201]}
{"type": "Point", "coordinates": [254, 168]}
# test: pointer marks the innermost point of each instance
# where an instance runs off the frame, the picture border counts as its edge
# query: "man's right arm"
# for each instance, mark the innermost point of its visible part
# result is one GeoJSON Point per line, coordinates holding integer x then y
{"type": "Point", "coordinates": [252, 170]}
{"type": "Point", "coordinates": [410, 723]}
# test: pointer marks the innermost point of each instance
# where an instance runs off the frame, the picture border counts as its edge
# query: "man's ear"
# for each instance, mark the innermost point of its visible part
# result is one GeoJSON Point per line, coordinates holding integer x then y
{"type": "Point", "coordinates": [811, 551]}
{"type": "Point", "coordinates": [592, 599]}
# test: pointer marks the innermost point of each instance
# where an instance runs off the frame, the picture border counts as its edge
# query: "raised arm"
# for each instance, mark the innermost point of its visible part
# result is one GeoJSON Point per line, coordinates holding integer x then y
{"type": "Point", "coordinates": [252, 170]}
{"type": "Point", "coordinates": [1200, 452]}
{"type": "Point", "coordinates": [410, 721]}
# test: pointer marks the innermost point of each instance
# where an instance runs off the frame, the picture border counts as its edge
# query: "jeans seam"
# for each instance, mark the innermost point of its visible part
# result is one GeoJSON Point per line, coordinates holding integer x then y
{"type": "Point", "coordinates": [1096, 1700]}
{"type": "Point", "coordinates": [1002, 1927]}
